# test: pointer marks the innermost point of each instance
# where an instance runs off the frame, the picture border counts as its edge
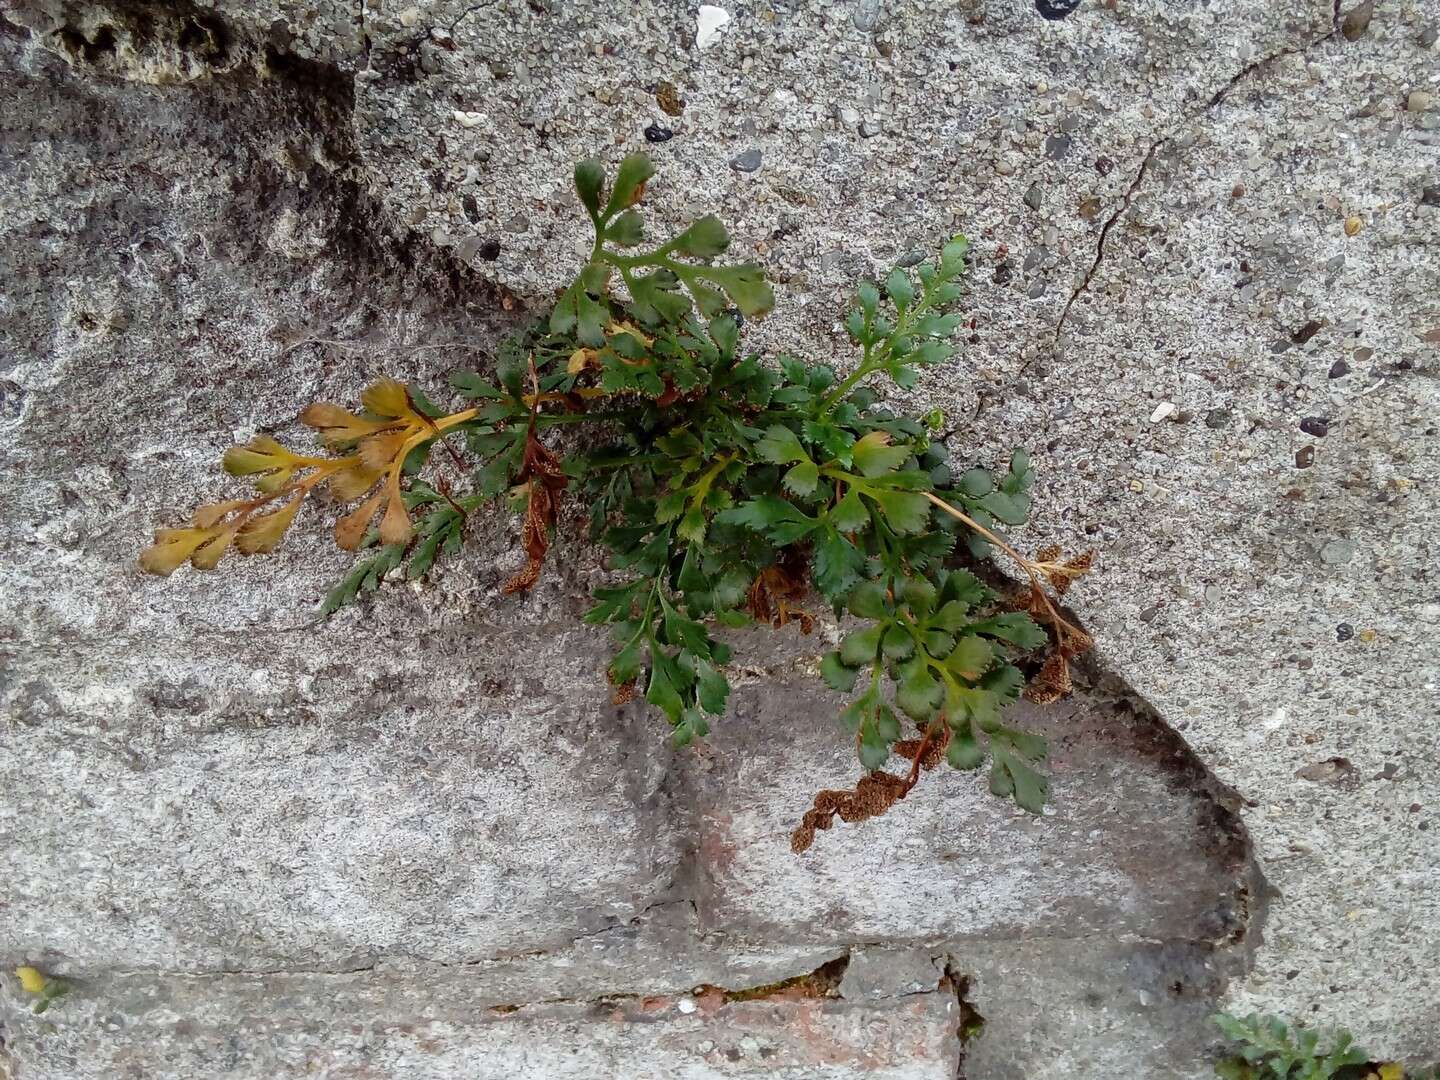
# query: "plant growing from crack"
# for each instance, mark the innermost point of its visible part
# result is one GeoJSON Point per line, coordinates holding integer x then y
{"type": "Point", "coordinates": [46, 989]}
{"type": "Point", "coordinates": [724, 487]}
{"type": "Point", "coordinates": [1270, 1049]}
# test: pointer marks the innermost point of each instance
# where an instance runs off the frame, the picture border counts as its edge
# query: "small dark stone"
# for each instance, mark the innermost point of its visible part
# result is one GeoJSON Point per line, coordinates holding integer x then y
{"type": "Point", "coordinates": [1428, 37]}
{"type": "Point", "coordinates": [1056, 9]}
{"type": "Point", "coordinates": [1279, 345]}
{"type": "Point", "coordinates": [669, 99]}
{"type": "Point", "coordinates": [1103, 165]}
{"type": "Point", "coordinates": [1003, 274]}
{"type": "Point", "coordinates": [1037, 289]}
{"type": "Point", "coordinates": [1339, 369]}
{"type": "Point", "coordinates": [1032, 197]}
{"type": "Point", "coordinates": [1319, 426]}
{"type": "Point", "coordinates": [1149, 613]}
{"type": "Point", "coordinates": [471, 207]}
{"type": "Point", "coordinates": [1430, 195]}
{"type": "Point", "coordinates": [1305, 457]}
{"type": "Point", "coordinates": [1357, 20]}
{"type": "Point", "coordinates": [1218, 418]}
{"type": "Point", "coordinates": [1306, 332]}
{"type": "Point", "coordinates": [657, 134]}
{"type": "Point", "coordinates": [1330, 771]}
{"type": "Point", "coordinates": [749, 161]}
{"type": "Point", "coordinates": [12, 399]}
{"type": "Point", "coordinates": [1057, 146]}
{"type": "Point", "coordinates": [489, 250]}
{"type": "Point", "coordinates": [1344, 632]}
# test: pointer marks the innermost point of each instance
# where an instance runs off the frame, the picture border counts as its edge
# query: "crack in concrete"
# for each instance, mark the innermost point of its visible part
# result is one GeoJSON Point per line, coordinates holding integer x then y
{"type": "Point", "coordinates": [1215, 99]}
{"type": "Point", "coordinates": [1105, 232]}
{"type": "Point", "coordinates": [969, 1023]}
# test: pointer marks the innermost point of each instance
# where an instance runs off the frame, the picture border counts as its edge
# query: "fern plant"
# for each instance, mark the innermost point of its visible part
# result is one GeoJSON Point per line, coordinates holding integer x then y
{"type": "Point", "coordinates": [725, 488]}
{"type": "Point", "coordinates": [1270, 1049]}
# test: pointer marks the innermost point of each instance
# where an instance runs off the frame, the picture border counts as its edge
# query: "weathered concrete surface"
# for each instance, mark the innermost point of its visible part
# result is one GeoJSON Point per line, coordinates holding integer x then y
{"type": "Point", "coordinates": [369, 1026]}
{"type": "Point", "coordinates": [198, 783]}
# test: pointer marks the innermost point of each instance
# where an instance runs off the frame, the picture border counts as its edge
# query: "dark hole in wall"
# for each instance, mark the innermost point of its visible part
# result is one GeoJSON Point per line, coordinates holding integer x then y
{"type": "Point", "coordinates": [91, 50]}
{"type": "Point", "coordinates": [205, 37]}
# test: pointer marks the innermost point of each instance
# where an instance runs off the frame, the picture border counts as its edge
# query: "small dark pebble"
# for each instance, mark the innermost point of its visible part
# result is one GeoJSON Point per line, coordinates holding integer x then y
{"type": "Point", "coordinates": [489, 250]}
{"type": "Point", "coordinates": [1032, 197]}
{"type": "Point", "coordinates": [1149, 613]}
{"type": "Point", "coordinates": [470, 206]}
{"type": "Point", "coordinates": [1057, 146]}
{"type": "Point", "coordinates": [1306, 332]}
{"type": "Point", "coordinates": [1430, 195]}
{"type": "Point", "coordinates": [1339, 369]}
{"type": "Point", "coordinates": [1103, 165]}
{"type": "Point", "coordinates": [1344, 632]}
{"type": "Point", "coordinates": [1036, 290]}
{"type": "Point", "coordinates": [749, 161]}
{"type": "Point", "coordinates": [12, 399]}
{"type": "Point", "coordinates": [1305, 457]}
{"type": "Point", "coordinates": [1056, 9]}
{"type": "Point", "coordinates": [1319, 426]}
{"type": "Point", "coordinates": [1428, 37]}
{"type": "Point", "coordinates": [657, 134]}
{"type": "Point", "coordinates": [1279, 345]}
{"type": "Point", "coordinates": [1218, 418]}
{"type": "Point", "coordinates": [1357, 20]}
{"type": "Point", "coordinates": [669, 99]}
{"type": "Point", "coordinates": [1003, 274]}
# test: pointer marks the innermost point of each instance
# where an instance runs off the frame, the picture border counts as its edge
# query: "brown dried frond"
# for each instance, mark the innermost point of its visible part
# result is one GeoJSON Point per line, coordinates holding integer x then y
{"type": "Point", "coordinates": [1062, 575]}
{"type": "Point", "coordinates": [1051, 682]}
{"type": "Point", "coordinates": [541, 474]}
{"type": "Point", "coordinates": [875, 792]}
{"type": "Point", "coordinates": [1075, 641]}
{"type": "Point", "coordinates": [778, 589]}
{"type": "Point", "coordinates": [930, 752]}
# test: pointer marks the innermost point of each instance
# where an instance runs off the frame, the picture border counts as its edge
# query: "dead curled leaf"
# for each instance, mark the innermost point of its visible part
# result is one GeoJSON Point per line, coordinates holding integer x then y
{"type": "Point", "coordinates": [873, 794]}
{"type": "Point", "coordinates": [1053, 682]}
{"type": "Point", "coordinates": [544, 479]}
{"type": "Point", "coordinates": [778, 589]}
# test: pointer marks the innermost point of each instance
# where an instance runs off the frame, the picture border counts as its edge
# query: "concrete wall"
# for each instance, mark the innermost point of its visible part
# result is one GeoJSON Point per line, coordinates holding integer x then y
{"type": "Point", "coordinates": [416, 840]}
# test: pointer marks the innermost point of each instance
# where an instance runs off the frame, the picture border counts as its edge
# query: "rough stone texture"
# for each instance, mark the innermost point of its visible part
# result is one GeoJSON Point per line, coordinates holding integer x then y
{"type": "Point", "coordinates": [263, 847]}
